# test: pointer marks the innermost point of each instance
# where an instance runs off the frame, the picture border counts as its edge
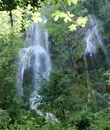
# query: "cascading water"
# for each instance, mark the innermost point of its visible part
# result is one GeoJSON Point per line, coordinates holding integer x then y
{"type": "Point", "coordinates": [35, 58]}
{"type": "Point", "coordinates": [93, 39]}
{"type": "Point", "coordinates": [92, 36]}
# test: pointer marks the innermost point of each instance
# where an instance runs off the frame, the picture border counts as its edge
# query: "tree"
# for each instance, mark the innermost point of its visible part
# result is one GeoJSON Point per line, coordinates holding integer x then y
{"type": "Point", "coordinates": [61, 94]}
{"type": "Point", "coordinates": [9, 5]}
{"type": "Point", "coordinates": [68, 15]}
{"type": "Point", "coordinates": [10, 43]}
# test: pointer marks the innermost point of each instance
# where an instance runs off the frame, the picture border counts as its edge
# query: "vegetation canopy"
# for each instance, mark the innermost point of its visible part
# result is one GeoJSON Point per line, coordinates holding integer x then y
{"type": "Point", "coordinates": [73, 94]}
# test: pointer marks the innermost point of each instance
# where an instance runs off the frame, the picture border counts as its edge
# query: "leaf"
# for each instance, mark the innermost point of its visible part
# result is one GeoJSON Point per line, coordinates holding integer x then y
{"type": "Point", "coordinates": [38, 14]}
{"type": "Point", "coordinates": [67, 19]}
{"type": "Point", "coordinates": [62, 14]}
{"type": "Point", "coordinates": [37, 17]}
{"type": "Point", "coordinates": [56, 18]}
{"type": "Point", "coordinates": [29, 7]}
{"type": "Point", "coordinates": [82, 21]}
{"type": "Point", "coordinates": [56, 13]}
{"type": "Point", "coordinates": [69, 2]}
{"type": "Point", "coordinates": [72, 27]}
{"type": "Point", "coordinates": [70, 15]}
{"type": "Point", "coordinates": [67, 16]}
{"type": "Point", "coordinates": [72, 1]}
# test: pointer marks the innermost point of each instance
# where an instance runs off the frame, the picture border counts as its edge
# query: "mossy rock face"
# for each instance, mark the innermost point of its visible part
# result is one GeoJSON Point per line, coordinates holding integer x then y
{"type": "Point", "coordinates": [27, 77]}
{"type": "Point", "coordinates": [27, 83]}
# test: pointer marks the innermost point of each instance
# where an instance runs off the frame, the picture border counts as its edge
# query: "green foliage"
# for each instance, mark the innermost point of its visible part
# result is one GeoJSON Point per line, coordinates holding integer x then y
{"type": "Point", "coordinates": [65, 93]}
{"type": "Point", "coordinates": [66, 47]}
{"type": "Point", "coordinates": [60, 94]}
{"type": "Point", "coordinates": [101, 120]}
{"type": "Point", "coordinates": [28, 120]}
{"type": "Point", "coordinates": [25, 120]}
{"type": "Point", "coordinates": [10, 43]}
{"type": "Point", "coordinates": [80, 120]}
{"type": "Point", "coordinates": [32, 5]}
{"type": "Point", "coordinates": [4, 120]}
{"type": "Point", "coordinates": [107, 74]}
{"type": "Point", "coordinates": [8, 5]}
{"type": "Point", "coordinates": [69, 16]}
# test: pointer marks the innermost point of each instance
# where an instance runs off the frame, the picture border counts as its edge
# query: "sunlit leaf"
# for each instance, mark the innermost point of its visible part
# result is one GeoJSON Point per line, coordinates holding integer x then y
{"type": "Point", "coordinates": [56, 13]}
{"type": "Point", "coordinates": [67, 19]}
{"type": "Point", "coordinates": [72, 27]}
{"type": "Point", "coordinates": [37, 17]}
{"type": "Point", "coordinates": [56, 18]}
{"type": "Point", "coordinates": [38, 14]}
{"type": "Point", "coordinates": [75, 1]}
{"type": "Point", "coordinates": [69, 2]}
{"type": "Point", "coordinates": [82, 21]}
{"type": "Point", "coordinates": [29, 7]}
{"type": "Point", "coordinates": [72, 1]}
{"type": "Point", "coordinates": [70, 15]}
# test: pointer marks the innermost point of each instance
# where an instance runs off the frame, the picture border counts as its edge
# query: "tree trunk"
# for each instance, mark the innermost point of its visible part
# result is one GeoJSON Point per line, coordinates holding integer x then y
{"type": "Point", "coordinates": [11, 18]}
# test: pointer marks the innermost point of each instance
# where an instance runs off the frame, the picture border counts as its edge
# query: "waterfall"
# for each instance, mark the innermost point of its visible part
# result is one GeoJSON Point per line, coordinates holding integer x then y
{"type": "Point", "coordinates": [93, 41]}
{"type": "Point", "coordinates": [95, 50]}
{"type": "Point", "coordinates": [35, 57]}
{"type": "Point", "coordinates": [92, 36]}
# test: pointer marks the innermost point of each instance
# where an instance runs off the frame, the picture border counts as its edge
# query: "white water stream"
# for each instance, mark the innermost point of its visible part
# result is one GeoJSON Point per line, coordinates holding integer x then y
{"type": "Point", "coordinates": [93, 39]}
{"type": "Point", "coordinates": [92, 36]}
